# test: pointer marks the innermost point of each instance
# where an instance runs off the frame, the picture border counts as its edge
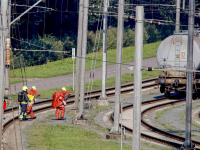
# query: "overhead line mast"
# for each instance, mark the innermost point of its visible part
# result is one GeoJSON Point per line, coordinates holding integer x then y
{"type": "Point", "coordinates": [189, 86]}
{"type": "Point", "coordinates": [79, 49]}
{"type": "Point", "coordinates": [104, 55]}
{"type": "Point", "coordinates": [137, 96]}
{"type": "Point", "coordinates": [83, 62]}
{"type": "Point", "coordinates": [3, 28]}
{"type": "Point", "coordinates": [120, 28]}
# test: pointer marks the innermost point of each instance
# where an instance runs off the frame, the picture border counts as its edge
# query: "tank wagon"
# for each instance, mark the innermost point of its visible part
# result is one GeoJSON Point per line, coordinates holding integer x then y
{"type": "Point", "coordinates": [172, 54]}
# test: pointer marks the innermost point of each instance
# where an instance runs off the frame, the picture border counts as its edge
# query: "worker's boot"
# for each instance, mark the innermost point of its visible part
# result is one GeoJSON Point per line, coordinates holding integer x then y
{"type": "Point", "coordinates": [24, 117]}
{"type": "Point", "coordinates": [20, 118]}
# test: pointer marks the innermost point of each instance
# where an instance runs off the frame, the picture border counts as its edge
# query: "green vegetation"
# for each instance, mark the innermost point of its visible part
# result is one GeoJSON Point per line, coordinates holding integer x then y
{"type": "Point", "coordinates": [183, 115]}
{"type": "Point", "coordinates": [60, 137]}
{"type": "Point", "coordinates": [184, 112]}
{"type": "Point", "coordinates": [155, 147]}
{"type": "Point", "coordinates": [65, 66]}
{"type": "Point", "coordinates": [161, 113]}
{"type": "Point", "coordinates": [94, 111]}
{"type": "Point", "coordinates": [97, 84]}
{"type": "Point", "coordinates": [13, 81]}
{"type": "Point", "coordinates": [45, 137]}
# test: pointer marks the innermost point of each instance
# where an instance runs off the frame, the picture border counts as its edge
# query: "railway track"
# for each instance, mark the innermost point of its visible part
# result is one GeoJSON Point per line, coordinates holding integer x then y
{"type": "Point", "coordinates": [158, 104]}
{"type": "Point", "coordinates": [94, 95]}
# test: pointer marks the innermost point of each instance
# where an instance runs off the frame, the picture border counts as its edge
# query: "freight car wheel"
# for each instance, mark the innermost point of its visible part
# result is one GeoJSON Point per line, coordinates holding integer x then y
{"type": "Point", "coordinates": [162, 88]}
{"type": "Point", "coordinates": [167, 94]}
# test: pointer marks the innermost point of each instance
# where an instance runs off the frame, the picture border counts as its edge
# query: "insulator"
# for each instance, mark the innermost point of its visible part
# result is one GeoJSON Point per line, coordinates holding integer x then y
{"type": "Point", "coordinates": [7, 51]}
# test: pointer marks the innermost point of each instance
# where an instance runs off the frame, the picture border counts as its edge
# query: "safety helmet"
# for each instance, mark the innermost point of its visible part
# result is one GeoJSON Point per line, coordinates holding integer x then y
{"type": "Point", "coordinates": [64, 89]}
{"type": "Point", "coordinates": [24, 88]}
{"type": "Point", "coordinates": [33, 87]}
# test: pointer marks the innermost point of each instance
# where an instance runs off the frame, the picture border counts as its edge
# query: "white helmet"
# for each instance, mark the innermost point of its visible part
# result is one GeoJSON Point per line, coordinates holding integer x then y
{"type": "Point", "coordinates": [24, 88]}
{"type": "Point", "coordinates": [33, 87]}
{"type": "Point", "coordinates": [64, 89]}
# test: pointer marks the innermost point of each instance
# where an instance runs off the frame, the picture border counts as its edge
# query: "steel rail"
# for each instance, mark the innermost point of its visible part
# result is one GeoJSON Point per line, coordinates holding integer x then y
{"type": "Point", "coordinates": [96, 93]}
{"type": "Point", "coordinates": [125, 88]}
{"type": "Point", "coordinates": [167, 134]}
{"type": "Point", "coordinates": [157, 130]}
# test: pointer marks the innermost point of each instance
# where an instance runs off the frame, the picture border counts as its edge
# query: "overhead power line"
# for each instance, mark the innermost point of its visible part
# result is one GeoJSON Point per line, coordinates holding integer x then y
{"type": "Point", "coordinates": [48, 50]}
{"type": "Point", "coordinates": [34, 7]}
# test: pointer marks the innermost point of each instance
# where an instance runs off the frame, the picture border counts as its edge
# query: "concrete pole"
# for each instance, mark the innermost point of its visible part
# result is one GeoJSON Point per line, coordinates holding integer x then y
{"type": "Point", "coordinates": [183, 4]}
{"type": "Point", "coordinates": [120, 29]}
{"type": "Point", "coordinates": [177, 28]}
{"type": "Point", "coordinates": [189, 86]}
{"type": "Point", "coordinates": [83, 60]}
{"type": "Point", "coordinates": [3, 8]}
{"type": "Point", "coordinates": [104, 63]}
{"type": "Point", "coordinates": [6, 20]}
{"type": "Point", "coordinates": [138, 77]}
{"type": "Point", "coordinates": [78, 58]}
{"type": "Point", "coordinates": [73, 74]}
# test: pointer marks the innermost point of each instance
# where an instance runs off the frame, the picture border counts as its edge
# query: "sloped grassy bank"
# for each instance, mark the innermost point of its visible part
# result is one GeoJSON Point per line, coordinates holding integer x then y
{"type": "Point", "coordinates": [65, 66]}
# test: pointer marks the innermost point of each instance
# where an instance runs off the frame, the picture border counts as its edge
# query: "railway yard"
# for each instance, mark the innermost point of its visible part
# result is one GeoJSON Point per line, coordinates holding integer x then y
{"type": "Point", "coordinates": [163, 119]}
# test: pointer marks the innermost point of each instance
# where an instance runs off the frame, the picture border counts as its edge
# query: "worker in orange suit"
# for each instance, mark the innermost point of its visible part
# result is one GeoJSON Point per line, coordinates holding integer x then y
{"type": "Point", "coordinates": [62, 102]}
{"type": "Point", "coordinates": [32, 95]}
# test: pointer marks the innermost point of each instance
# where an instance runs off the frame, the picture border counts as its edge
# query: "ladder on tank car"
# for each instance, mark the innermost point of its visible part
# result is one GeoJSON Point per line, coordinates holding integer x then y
{"type": "Point", "coordinates": [177, 43]}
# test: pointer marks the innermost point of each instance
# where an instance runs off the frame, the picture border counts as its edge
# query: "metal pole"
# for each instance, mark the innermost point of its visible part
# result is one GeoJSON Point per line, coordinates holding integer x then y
{"type": "Point", "coordinates": [120, 29]}
{"type": "Point", "coordinates": [189, 86]}
{"type": "Point", "coordinates": [3, 8]}
{"type": "Point", "coordinates": [78, 58]}
{"type": "Point", "coordinates": [104, 64]}
{"type": "Point", "coordinates": [177, 16]}
{"type": "Point", "coordinates": [121, 125]}
{"type": "Point", "coordinates": [138, 77]}
{"type": "Point", "coordinates": [83, 62]}
{"type": "Point", "coordinates": [73, 57]}
{"type": "Point", "coordinates": [73, 74]}
{"type": "Point", "coordinates": [25, 12]}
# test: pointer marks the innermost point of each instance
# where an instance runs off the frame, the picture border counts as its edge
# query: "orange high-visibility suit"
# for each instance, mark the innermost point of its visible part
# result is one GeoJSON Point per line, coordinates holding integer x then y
{"type": "Point", "coordinates": [61, 104]}
{"type": "Point", "coordinates": [31, 97]}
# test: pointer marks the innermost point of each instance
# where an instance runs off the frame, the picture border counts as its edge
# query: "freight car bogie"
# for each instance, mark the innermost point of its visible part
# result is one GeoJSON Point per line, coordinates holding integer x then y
{"type": "Point", "coordinates": [174, 84]}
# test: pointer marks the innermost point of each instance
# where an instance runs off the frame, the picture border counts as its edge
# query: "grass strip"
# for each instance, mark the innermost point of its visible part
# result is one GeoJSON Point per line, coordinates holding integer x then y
{"type": "Point", "coordinates": [65, 66]}
{"type": "Point", "coordinates": [97, 84]}
{"type": "Point", "coordinates": [155, 147]}
{"type": "Point", "coordinates": [159, 114]}
{"type": "Point", "coordinates": [15, 81]}
{"type": "Point", "coordinates": [60, 137]}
